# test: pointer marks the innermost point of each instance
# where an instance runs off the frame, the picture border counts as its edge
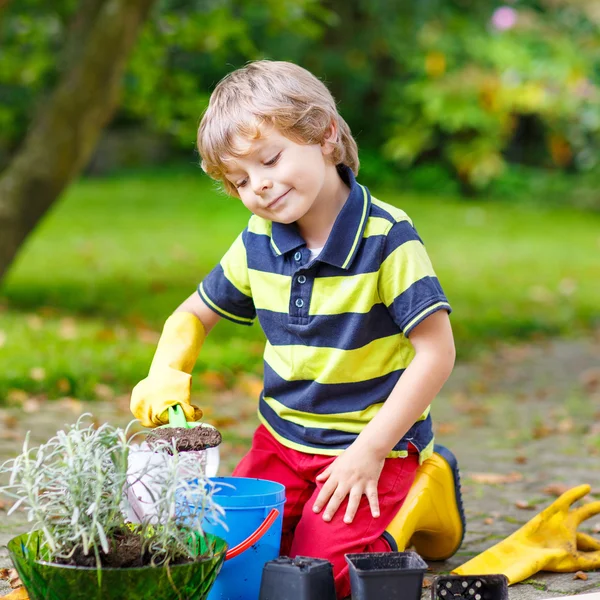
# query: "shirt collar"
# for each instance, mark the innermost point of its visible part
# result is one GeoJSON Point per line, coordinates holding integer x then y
{"type": "Point", "coordinates": [344, 240]}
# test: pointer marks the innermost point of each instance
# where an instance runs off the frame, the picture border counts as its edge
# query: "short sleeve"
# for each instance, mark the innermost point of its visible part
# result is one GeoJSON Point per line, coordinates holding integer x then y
{"type": "Point", "coordinates": [226, 289]}
{"type": "Point", "coordinates": [408, 285]}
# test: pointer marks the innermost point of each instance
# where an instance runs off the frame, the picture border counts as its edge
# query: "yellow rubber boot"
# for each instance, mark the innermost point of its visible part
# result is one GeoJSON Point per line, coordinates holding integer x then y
{"type": "Point", "coordinates": [432, 517]}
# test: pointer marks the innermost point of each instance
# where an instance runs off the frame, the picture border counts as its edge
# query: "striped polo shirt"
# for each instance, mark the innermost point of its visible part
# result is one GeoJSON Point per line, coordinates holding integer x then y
{"type": "Point", "coordinates": [337, 326]}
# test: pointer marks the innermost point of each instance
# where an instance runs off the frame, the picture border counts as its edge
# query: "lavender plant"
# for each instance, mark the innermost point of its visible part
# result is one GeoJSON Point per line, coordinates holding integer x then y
{"type": "Point", "coordinates": [181, 497]}
{"type": "Point", "coordinates": [75, 490]}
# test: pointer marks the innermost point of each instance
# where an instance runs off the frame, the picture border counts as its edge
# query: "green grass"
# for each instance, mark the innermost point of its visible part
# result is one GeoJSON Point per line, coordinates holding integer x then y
{"type": "Point", "coordinates": [116, 256]}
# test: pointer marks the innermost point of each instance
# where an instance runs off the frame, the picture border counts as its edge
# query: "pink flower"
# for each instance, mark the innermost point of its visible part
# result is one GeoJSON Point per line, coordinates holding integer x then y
{"type": "Point", "coordinates": [504, 18]}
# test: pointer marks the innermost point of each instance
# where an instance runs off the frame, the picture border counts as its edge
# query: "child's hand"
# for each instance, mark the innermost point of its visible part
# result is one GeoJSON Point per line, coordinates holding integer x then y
{"type": "Point", "coordinates": [353, 473]}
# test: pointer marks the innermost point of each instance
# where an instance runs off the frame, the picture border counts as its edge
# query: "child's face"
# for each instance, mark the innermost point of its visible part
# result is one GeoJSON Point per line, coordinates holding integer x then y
{"type": "Point", "coordinates": [279, 179]}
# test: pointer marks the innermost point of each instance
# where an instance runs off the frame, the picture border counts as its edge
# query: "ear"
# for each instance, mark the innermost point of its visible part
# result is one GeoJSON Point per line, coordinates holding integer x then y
{"type": "Point", "coordinates": [331, 138]}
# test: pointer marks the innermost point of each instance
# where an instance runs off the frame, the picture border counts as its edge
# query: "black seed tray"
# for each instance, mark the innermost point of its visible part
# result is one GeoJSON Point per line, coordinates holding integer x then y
{"type": "Point", "coordinates": [470, 587]}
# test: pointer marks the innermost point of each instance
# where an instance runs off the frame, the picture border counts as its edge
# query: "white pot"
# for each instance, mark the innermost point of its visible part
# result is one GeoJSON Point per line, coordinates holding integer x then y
{"type": "Point", "coordinates": [142, 463]}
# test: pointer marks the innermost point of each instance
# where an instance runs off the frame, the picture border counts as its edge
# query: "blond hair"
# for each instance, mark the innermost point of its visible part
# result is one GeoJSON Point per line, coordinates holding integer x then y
{"type": "Point", "coordinates": [275, 93]}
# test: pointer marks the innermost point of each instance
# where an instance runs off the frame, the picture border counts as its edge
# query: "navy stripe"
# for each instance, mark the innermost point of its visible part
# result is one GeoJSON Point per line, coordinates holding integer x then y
{"type": "Point", "coordinates": [426, 314]}
{"type": "Point", "coordinates": [346, 331]}
{"type": "Point", "coordinates": [306, 436]}
{"type": "Point", "coordinates": [421, 294]}
{"type": "Point", "coordinates": [226, 296]}
{"type": "Point", "coordinates": [371, 252]}
{"type": "Point", "coordinates": [261, 258]}
{"type": "Point", "coordinates": [420, 434]}
{"type": "Point", "coordinates": [378, 211]}
{"type": "Point", "coordinates": [399, 234]}
{"type": "Point", "coordinates": [366, 260]}
{"type": "Point", "coordinates": [328, 398]}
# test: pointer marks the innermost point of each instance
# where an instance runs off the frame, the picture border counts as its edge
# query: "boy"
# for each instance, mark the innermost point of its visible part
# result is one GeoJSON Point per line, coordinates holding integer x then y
{"type": "Point", "coordinates": [358, 336]}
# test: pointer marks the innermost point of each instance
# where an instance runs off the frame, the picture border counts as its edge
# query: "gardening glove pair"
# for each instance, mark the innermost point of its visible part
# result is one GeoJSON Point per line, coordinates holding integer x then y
{"type": "Point", "coordinates": [169, 380]}
{"type": "Point", "coordinates": [549, 542]}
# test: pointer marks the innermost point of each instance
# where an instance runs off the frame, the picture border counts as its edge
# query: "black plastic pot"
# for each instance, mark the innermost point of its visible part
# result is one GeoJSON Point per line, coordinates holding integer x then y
{"type": "Point", "coordinates": [386, 575]}
{"type": "Point", "coordinates": [299, 578]}
{"type": "Point", "coordinates": [49, 581]}
{"type": "Point", "coordinates": [470, 587]}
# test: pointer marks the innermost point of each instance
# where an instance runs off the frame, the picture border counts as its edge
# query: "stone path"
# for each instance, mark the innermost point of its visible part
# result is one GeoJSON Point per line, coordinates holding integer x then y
{"type": "Point", "coordinates": [528, 414]}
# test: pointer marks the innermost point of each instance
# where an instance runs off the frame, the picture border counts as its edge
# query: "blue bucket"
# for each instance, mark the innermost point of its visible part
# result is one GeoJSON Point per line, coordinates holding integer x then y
{"type": "Point", "coordinates": [254, 517]}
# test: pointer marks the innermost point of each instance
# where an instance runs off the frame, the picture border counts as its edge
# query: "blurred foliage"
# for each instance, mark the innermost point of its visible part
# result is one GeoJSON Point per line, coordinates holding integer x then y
{"type": "Point", "coordinates": [183, 51]}
{"type": "Point", "coordinates": [466, 85]}
{"type": "Point", "coordinates": [520, 88]}
{"type": "Point", "coordinates": [31, 36]}
{"type": "Point", "coordinates": [188, 46]}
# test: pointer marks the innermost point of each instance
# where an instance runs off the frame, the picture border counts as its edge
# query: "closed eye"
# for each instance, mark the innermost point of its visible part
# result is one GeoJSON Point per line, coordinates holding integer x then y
{"type": "Point", "coordinates": [241, 183]}
{"type": "Point", "coordinates": [271, 162]}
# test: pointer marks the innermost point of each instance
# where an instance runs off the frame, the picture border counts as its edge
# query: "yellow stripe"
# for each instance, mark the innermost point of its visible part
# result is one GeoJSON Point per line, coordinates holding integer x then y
{"type": "Point", "coordinates": [397, 213]}
{"type": "Point", "coordinates": [351, 293]}
{"type": "Point", "coordinates": [398, 454]}
{"type": "Point", "coordinates": [218, 309]}
{"type": "Point", "coordinates": [295, 446]}
{"type": "Point", "coordinates": [404, 266]}
{"type": "Point", "coordinates": [377, 226]}
{"type": "Point", "coordinates": [318, 451]}
{"type": "Point", "coordinates": [261, 226]}
{"type": "Point", "coordinates": [271, 291]}
{"type": "Point", "coordinates": [425, 414]}
{"type": "Point", "coordinates": [428, 310]}
{"type": "Point", "coordinates": [426, 452]}
{"type": "Point", "coordinates": [358, 233]}
{"type": "Point", "coordinates": [235, 267]}
{"type": "Point", "coordinates": [275, 247]}
{"type": "Point", "coordinates": [349, 422]}
{"type": "Point", "coordinates": [332, 365]}
{"type": "Point", "coordinates": [330, 296]}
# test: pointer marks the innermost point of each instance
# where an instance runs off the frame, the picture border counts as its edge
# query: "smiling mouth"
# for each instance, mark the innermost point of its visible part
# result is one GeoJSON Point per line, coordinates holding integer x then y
{"type": "Point", "coordinates": [272, 204]}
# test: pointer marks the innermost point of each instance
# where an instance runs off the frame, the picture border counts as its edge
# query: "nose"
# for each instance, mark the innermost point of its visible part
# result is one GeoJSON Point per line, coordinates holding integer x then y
{"type": "Point", "coordinates": [260, 185]}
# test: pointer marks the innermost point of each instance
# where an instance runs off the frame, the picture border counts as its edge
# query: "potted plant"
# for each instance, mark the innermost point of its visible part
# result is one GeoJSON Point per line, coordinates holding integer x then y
{"type": "Point", "coordinates": [75, 488]}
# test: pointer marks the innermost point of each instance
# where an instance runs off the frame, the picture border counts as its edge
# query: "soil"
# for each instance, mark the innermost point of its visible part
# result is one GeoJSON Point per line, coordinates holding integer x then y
{"type": "Point", "coordinates": [125, 552]}
{"type": "Point", "coordinates": [186, 440]}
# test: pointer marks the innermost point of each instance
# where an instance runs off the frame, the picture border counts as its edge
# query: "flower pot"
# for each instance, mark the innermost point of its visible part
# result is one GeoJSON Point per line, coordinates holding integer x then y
{"type": "Point", "coordinates": [470, 587]}
{"type": "Point", "coordinates": [386, 575]}
{"type": "Point", "coordinates": [48, 581]}
{"type": "Point", "coordinates": [299, 578]}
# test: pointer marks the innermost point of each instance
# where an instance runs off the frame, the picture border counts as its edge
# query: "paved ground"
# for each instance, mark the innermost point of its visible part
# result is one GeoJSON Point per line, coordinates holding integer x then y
{"type": "Point", "coordinates": [529, 414]}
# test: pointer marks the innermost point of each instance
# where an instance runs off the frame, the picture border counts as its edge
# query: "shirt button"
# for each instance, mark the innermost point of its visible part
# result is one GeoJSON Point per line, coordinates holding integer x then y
{"type": "Point", "coordinates": [301, 279]}
{"type": "Point", "coordinates": [298, 256]}
{"type": "Point", "coordinates": [299, 303]}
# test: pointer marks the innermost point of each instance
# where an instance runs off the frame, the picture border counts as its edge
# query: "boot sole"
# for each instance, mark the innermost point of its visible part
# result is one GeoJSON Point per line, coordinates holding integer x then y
{"type": "Point", "coordinates": [449, 457]}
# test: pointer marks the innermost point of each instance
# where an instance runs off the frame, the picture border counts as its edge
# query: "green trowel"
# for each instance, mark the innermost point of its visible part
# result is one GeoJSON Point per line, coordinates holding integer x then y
{"type": "Point", "coordinates": [177, 419]}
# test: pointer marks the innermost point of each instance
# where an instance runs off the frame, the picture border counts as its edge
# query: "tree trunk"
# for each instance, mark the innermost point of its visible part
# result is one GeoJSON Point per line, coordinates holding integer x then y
{"type": "Point", "coordinates": [68, 125]}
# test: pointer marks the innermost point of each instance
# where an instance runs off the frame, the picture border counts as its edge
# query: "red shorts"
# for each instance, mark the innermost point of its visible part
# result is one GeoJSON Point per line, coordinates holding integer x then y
{"type": "Point", "coordinates": [304, 532]}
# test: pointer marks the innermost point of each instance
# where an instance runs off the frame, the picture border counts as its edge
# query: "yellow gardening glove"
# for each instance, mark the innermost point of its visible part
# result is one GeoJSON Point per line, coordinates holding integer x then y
{"type": "Point", "coordinates": [549, 542]}
{"type": "Point", "coordinates": [169, 380]}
